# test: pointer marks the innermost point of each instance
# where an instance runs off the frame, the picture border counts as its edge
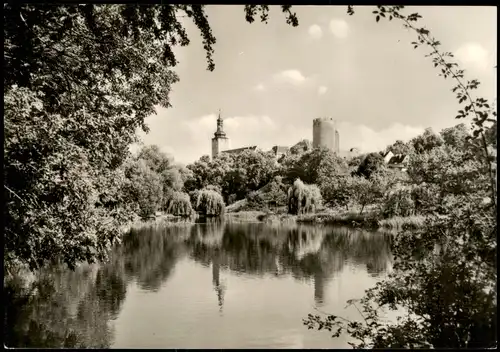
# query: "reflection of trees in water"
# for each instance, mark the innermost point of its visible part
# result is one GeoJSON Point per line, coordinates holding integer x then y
{"type": "Point", "coordinates": [306, 252]}
{"type": "Point", "coordinates": [368, 249]}
{"type": "Point", "coordinates": [149, 255]}
{"type": "Point", "coordinates": [61, 308]}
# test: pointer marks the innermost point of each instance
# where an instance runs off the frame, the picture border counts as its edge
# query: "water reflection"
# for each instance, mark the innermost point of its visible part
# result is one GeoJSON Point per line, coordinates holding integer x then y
{"type": "Point", "coordinates": [59, 308]}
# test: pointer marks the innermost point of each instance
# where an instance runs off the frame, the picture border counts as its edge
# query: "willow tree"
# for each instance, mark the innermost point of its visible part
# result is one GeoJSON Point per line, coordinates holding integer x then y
{"type": "Point", "coordinates": [209, 203]}
{"type": "Point", "coordinates": [179, 204]}
{"type": "Point", "coordinates": [303, 198]}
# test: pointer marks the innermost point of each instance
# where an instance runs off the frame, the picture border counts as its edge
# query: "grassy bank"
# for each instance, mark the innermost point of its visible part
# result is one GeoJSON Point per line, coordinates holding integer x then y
{"type": "Point", "coordinates": [159, 221]}
{"type": "Point", "coordinates": [369, 220]}
{"type": "Point", "coordinates": [245, 216]}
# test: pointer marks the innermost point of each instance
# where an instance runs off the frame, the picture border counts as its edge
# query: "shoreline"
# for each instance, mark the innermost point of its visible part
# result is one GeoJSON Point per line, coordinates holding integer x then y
{"type": "Point", "coordinates": [368, 221]}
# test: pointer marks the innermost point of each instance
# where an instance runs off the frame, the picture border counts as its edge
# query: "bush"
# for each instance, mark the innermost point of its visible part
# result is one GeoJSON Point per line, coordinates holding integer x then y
{"type": "Point", "coordinates": [338, 191]}
{"type": "Point", "coordinates": [255, 200]}
{"type": "Point", "coordinates": [303, 198]}
{"type": "Point", "coordinates": [179, 204]}
{"type": "Point", "coordinates": [398, 203]}
{"type": "Point", "coordinates": [209, 203]}
{"type": "Point", "coordinates": [277, 192]}
{"type": "Point", "coordinates": [232, 198]}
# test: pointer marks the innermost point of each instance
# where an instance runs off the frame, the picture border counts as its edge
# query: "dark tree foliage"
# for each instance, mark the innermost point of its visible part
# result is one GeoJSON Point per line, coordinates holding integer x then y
{"type": "Point", "coordinates": [444, 276]}
{"type": "Point", "coordinates": [78, 82]}
{"type": "Point", "coordinates": [372, 163]}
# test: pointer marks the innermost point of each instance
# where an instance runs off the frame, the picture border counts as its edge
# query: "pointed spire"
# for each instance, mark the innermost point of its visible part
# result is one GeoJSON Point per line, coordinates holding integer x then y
{"type": "Point", "coordinates": [220, 126]}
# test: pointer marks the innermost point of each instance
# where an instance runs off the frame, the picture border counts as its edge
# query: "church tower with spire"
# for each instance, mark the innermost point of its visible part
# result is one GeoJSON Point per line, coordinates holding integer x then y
{"type": "Point", "coordinates": [220, 142]}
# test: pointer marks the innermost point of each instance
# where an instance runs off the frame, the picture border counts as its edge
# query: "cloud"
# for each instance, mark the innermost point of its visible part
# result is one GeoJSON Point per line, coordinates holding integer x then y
{"type": "Point", "coordinates": [368, 140]}
{"type": "Point", "coordinates": [339, 28]}
{"type": "Point", "coordinates": [290, 76]}
{"type": "Point", "coordinates": [474, 54]}
{"type": "Point", "coordinates": [322, 90]}
{"type": "Point", "coordinates": [259, 87]}
{"type": "Point", "coordinates": [315, 31]}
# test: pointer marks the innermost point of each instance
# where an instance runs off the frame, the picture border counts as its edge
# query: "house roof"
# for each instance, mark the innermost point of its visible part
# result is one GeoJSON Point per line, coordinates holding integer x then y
{"type": "Point", "coordinates": [398, 159]}
{"type": "Point", "coordinates": [239, 150]}
{"type": "Point", "coordinates": [279, 149]}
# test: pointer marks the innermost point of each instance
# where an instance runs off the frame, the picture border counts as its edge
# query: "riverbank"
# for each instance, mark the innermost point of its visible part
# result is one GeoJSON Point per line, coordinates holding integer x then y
{"type": "Point", "coordinates": [369, 220]}
{"type": "Point", "coordinates": [159, 221]}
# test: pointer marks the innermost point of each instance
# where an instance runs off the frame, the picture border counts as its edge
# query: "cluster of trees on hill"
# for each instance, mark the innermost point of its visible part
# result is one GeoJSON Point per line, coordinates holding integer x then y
{"type": "Point", "coordinates": [359, 182]}
{"type": "Point", "coordinates": [444, 275]}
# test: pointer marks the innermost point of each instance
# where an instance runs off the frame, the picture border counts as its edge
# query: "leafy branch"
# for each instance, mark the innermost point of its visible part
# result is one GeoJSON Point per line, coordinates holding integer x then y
{"type": "Point", "coordinates": [479, 107]}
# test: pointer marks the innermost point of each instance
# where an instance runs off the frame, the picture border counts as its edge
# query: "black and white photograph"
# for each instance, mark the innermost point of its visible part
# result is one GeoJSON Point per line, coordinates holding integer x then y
{"type": "Point", "coordinates": [237, 176]}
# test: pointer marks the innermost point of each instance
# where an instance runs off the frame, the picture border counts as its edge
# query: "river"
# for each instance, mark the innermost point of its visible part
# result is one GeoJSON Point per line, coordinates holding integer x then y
{"type": "Point", "coordinates": [212, 285]}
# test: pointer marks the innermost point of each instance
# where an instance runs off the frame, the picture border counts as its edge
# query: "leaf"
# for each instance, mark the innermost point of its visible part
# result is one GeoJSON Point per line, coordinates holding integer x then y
{"type": "Point", "coordinates": [377, 18]}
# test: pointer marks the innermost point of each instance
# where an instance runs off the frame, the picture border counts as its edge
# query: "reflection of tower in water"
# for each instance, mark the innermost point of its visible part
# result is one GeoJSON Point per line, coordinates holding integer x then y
{"type": "Point", "coordinates": [319, 288]}
{"type": "Point", "coordinates": [219, 289]}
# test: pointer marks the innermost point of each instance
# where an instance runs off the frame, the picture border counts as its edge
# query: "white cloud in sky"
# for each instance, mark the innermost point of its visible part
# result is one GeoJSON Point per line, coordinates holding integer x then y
{"type": "Point", "coordinates": [315, 31]}
{"type": "Point", "coordinates": [368, 140]}
{"type": "Point", "coordinates": [474, 54]}
{"type": "Point", "coordinates": [322, 90]}
{"type": "Point", "coordinates": [195, 134]}
{"type": "Point", "coordinates": [290, 76]}
{"type": "Point", "coordinates": [260, 87]}
{"type": "Point", "coordinates": [339, 28]}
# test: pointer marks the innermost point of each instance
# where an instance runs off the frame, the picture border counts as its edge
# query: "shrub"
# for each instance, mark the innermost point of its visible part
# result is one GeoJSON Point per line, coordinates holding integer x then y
{"type": "Point", "coordinates": [232, 198]}
{"type": "Point", "coordinates": [209, 203]}
{"type": "Point", "coordinates": [303, 198]}
{"type": "Point", "coordinates": [179, 204]}
{"type": "Point", "coordinates": [398, 203]}
{"type": "Point", "coordinates": [255, 200]}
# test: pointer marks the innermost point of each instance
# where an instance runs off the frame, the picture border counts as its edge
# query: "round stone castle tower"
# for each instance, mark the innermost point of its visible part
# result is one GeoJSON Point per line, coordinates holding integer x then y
{"type": "Point", "coordinates": [325, 134]}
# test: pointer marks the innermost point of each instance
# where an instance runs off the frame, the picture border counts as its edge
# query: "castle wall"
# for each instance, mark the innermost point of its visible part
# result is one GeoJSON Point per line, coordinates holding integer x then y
{"type": "Point", "coordinates": [325, 134]}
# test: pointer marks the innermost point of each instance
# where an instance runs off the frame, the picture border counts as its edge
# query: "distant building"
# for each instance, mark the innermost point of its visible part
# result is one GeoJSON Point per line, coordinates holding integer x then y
{"type": "Point", "coordinates": [220, 142]}
{"type": "Point", "coordinates": [397, 161]}
{"type": "Point", "coordinates": [325, 134]}
{"type": "Point", "coordinates": [239, 150]}
{"type": "Point", "coordinates": [279, 151]}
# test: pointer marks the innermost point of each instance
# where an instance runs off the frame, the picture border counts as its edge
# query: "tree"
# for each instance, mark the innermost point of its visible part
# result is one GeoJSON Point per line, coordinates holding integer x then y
{"type": "Point", "coordinates": [338, 191]}
{"type": "Point", "coordinates": [456, 136]}
{"type": "Point", "coordinates": [57, 69]}
{"type": "Point", "coordinates": [155, 159]}
{"type": "Point", "coordinates": [252, 170]}
{"type": "Point", "coordinates": [400, 147]}
{"type": "Point", "coordinates": [303, 198]}
{"type": "Point", "coordinates": [144, 187]}
{"type": "Point", "coordinates": [59, 205]}
{"type": "Point", "coordinates": [209, 203]}
{"type": "Point", "coordinates": [398, 203]}
{"type": "Point", "coordinates": [315, 165]}
{"type": "Point", "coordinates": [367, 191]}
{"type": "Point", "coordinates": [179, 204]}
{"type": "Point", "coordinates": [372, 163]}
{"type": "Point", "coordinates": [426, 141]}
{"type": "Point", "coordinates": [444, 274]}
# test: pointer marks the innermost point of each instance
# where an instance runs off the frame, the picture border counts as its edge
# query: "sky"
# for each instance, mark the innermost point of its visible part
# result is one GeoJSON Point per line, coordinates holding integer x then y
{"type": "Point", "coordinates": [271, 80]}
